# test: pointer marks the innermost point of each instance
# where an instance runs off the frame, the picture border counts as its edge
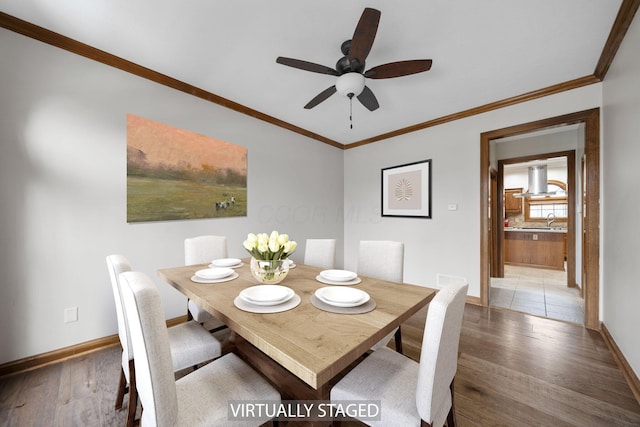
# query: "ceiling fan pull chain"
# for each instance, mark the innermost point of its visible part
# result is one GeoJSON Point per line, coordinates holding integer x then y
{"type": "Point", "coordinates": [351, 110]}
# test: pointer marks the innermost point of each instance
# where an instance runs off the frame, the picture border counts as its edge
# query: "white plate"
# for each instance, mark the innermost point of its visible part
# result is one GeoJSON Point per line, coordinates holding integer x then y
{"type": "Point", "coordinates": [338, 275]}
{"type": "Point", "coordinates": [321, 279]}
{"type": "Point", "coordinates": [342, 297]}
{"type": "Point", "coordinates": [226, 262]}
{"type": "Point", "coordinates": [291, 264]}
{"type": "Point", "coordinates": [214, 273]}
{"type": "Point", "coordinates": [286, 298]}
{"type": "Point", "coordinates": [252, 308]}
{"type": "Point", "coordinates": [212, 265]}
{"type": "Point", "coordinates": [198, 279]}
{"type": "Point", "coordinates": [265, 293]}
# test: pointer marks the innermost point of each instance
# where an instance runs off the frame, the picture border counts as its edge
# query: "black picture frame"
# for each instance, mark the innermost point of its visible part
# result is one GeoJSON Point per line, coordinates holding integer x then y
{"type": "Point", "coordinates": [406, 190]}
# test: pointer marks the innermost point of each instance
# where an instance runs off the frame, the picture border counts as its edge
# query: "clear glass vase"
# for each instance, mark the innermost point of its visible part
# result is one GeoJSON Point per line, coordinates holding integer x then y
{"type": "Point", "coordinates": [269, 271]}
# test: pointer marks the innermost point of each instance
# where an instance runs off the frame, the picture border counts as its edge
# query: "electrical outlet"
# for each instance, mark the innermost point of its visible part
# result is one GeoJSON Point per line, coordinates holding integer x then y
{"type": "Point", "coordinates": [535, 237]}
{"type": "Point", "coordinates": [70, 314]}
{"type": "Point", "coordinates": [452, 207]}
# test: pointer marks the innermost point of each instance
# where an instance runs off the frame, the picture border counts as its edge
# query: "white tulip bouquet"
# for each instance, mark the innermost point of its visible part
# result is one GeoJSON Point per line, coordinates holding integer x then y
{"type": "Point", "coordinates": [269, 247]}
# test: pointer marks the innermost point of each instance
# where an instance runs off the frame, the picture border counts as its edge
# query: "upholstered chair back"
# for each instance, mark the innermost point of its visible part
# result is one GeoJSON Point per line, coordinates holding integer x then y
{"type": "Point", "coordinates": [117, 264]}
{"type": "Point", "coordinates": [320, 253]}
{"type": "Point", "coordinates": [204, 249]}
{"type": "Point", "coordinates": [439, 355]}
{"type": "Point", "coordinates": [155, 379]}
{"type": "Point", "coordinates": [381, 259]}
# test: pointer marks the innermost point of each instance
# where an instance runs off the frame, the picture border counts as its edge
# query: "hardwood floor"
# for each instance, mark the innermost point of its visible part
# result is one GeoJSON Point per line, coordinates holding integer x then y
{"type": "Point", "coordinates": [514, 370]}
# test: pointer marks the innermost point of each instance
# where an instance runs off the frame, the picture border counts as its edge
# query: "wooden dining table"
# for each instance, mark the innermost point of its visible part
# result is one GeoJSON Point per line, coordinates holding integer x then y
{"type": "Point", "coordinates": [303, 349]}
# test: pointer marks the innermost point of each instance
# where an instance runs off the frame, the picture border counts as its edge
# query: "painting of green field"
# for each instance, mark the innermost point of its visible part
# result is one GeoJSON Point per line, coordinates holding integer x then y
{"type": "Point", "coordinates": [175, 174]}
{"type": "Point", "coordinates": [152, 199]}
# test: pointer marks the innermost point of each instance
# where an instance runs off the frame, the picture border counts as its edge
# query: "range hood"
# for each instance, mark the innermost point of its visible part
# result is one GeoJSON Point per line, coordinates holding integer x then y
{"type": "Point", "coordinates": [537, 182]}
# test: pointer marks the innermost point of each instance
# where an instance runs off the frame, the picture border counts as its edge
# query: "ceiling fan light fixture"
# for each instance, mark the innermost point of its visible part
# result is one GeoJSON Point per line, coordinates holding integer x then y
{"type": "Point", "coordinates": [350, 84]}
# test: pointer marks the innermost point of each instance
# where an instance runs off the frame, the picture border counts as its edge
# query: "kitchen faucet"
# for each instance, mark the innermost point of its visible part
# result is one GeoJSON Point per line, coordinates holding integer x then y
{"type": "Point", "coordinates": [550, 218]}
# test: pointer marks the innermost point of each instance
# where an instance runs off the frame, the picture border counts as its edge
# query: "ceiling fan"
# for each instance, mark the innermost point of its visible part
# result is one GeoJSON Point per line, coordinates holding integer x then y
{"type": "Point", "coordinates": [350, 68]}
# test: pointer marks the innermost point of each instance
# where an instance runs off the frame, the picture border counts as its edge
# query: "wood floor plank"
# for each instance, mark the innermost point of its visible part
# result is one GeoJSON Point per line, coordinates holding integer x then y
{"type": "Point", "coordinates": [37, 399]}
{"type": "Point", "coordinates": [490, 409]}
{"type": "Point", "coordinates": [78, 412]}
{"type": "Point", "coordinates": [562, 404]}
{"type": "Point", "coordinates": [553, 364]}
{"type": "Point", "coordinates": [9, 390]}
{"type": "Point", "coordinates": [107, 366]}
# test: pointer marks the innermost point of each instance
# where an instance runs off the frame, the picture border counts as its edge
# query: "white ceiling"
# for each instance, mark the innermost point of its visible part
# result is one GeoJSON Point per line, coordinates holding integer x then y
{"type": "Point", "coordinates": [482, 51]}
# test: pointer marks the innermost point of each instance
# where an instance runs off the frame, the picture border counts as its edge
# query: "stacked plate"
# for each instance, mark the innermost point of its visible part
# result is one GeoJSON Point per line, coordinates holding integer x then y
{"type": "Point", "coordinates": [267, 295]}
{"type": "Point", "coordinates": [338, 277]}
{"type": "Point", "coordinates": [214, 275]}
{"type": "Point", "coordinates": [226, 263]}
{"type": "Point", "coordinates": [342, 297]}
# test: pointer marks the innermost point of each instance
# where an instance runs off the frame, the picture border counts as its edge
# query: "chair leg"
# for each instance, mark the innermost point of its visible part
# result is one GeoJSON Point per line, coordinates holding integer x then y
{"type": "Point", "coordinates": [189, 315]}
{"type": "Point", "coordinates": [122, 389]}
{"type": "Point", "coordinates": [398, 340]}
{"type": "Point", "coordinates": [451, 416]}
{"type": "Point", "coordinates": [133, 396]}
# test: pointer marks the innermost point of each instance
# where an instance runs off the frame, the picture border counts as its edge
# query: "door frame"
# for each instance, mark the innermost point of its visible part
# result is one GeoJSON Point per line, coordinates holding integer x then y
{"type": "Point", "coordinates": [591, 226]}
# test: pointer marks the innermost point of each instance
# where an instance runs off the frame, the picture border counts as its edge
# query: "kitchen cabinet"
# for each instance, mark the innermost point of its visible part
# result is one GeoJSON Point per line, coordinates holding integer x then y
{"type": "Point", "coordinates": [512, 204]}
{"type": "Point", "coordinates": [543, 249]}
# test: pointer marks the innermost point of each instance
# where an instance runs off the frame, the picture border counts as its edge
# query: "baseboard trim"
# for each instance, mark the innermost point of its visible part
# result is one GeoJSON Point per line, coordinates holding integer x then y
{"type": "Point", "coordinates": [474, 300]}
{"type": "Point", "coordinates": [39, 360]}
{"type": "Point", "coordinates": [627, 371]}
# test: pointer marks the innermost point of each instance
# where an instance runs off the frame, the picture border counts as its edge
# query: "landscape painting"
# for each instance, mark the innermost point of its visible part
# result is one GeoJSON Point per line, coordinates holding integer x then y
{"type": "Point", "coordinates": [175, 174]}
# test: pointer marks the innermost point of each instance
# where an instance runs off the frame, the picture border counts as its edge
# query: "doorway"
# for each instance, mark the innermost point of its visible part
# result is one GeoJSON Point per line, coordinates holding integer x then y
{"type": "Point", "coordinates": [537, 244]}
{"type": "Point", "coordinates": [590, 214]}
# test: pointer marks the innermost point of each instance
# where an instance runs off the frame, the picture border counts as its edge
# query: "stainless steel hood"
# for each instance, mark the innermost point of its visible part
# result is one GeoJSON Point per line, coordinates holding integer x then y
{"type": "Point", "coordinates": [537, 182]}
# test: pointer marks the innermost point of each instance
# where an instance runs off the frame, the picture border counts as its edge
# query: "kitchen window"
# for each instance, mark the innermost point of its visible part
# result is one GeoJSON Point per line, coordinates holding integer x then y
{"type": "Point", "coordinates": [539, 208]}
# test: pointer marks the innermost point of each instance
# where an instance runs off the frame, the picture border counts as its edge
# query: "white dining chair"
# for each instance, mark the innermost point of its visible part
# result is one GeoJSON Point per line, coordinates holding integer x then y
{"type": "Point", "coordinates": [412, 393]}
{"type": "Point", "coordinates": [190, 343]}
{"type": "Point", "coordinates": [203, 250]}
{"type": "Point", "coordinates": [320, 253]}
{"type": "Point", "coordinates": [384, 260]}
{"type": "Point", "coordinates": [200, 398]}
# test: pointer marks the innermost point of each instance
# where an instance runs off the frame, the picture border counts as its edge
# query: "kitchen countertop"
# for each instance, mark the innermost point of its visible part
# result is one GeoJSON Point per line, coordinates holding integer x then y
{"type": "Point", "coordinates": [537, 229]}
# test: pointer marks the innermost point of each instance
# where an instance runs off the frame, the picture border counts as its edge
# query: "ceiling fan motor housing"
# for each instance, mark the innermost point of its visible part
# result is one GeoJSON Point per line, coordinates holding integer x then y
{"type": "Point", "coordinates": [345, 65]}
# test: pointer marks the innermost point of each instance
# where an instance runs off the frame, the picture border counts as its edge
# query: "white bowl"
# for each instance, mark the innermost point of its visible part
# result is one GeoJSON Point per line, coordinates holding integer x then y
{"type": "Point", "coordinates": [338, 275]}
{"type": "Point", "coordinates": [266, 294]}
{"type": "Point", "coordinates": [214, 273]}
{"type": "Point", "coordinates": [226, 262]}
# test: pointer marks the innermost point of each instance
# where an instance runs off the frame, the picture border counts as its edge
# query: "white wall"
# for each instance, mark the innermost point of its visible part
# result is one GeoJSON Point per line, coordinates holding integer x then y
{"type": "Point", "coordinates": [450, 241]}
{"type": "Point", "coordinates": [621, 204]}
{"type": "Point", "coordinates": [63, 187]}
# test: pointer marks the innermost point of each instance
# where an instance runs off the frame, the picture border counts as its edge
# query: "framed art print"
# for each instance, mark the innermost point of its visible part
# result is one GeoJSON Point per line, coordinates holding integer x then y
{"type": "Point", "coordinates": [406, 190]}
{"type": "Point", "coordinates": [175, 174]}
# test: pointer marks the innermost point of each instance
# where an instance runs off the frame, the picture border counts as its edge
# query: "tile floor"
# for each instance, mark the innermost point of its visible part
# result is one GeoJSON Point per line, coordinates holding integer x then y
{"type": "Point", "coordinates": [537, 291]}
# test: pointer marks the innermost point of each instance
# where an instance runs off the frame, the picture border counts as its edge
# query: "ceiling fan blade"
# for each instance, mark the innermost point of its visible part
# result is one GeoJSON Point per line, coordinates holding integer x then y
{"type": "Point", "coordinates": [399, 69]}
{"type": "Point", "coordinates": [321, 97]}
{"type": "Point", "coordinates": [306, 66]}
{"type": "Point", "coordinates": [364, 35]}
{"type": "Point", "coordinates": [368, 99]}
